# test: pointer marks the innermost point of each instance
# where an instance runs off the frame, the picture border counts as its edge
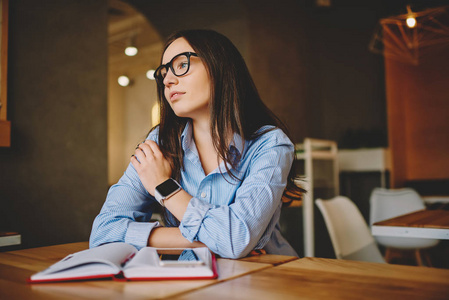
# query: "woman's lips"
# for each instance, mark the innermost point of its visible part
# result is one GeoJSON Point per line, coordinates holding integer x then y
{"type": "Point", "coordinates": [175, 95]}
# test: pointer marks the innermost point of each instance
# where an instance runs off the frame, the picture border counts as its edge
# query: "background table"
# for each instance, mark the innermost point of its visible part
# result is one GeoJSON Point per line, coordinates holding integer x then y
{"type": "Point", "coordinates": [9, 238]}
{"type": "Point", "coordinates": [420, 224]}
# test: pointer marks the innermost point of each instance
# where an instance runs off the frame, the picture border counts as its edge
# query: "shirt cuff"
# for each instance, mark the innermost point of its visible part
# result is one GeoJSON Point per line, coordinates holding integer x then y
{"type": "Point", "coordinates": [193, 218]}
{"type": "Point", "coordinates": [138, 233]}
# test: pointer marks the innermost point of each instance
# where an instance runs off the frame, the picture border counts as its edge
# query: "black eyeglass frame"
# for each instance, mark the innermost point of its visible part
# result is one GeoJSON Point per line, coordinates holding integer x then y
{"type": "Point", "coordinates": [169, 65]}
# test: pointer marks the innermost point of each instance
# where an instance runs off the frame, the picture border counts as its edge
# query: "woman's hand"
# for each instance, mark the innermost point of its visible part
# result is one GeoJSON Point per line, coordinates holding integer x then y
{"type": "Point", "coordinates": [151, 165]}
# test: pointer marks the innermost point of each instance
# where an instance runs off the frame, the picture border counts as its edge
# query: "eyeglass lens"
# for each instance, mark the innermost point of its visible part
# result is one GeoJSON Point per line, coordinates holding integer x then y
{"type": "Point", "coordinates": [179, 66]}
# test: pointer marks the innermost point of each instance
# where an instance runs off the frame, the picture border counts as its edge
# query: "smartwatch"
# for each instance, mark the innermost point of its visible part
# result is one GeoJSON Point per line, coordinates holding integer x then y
{"type": "Point", "coordinates": [165, 190]}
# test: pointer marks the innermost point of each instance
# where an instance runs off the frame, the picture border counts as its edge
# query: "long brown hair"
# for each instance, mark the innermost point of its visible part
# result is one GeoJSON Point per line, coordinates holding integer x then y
{"type": "Point", "coordinates": [235, 105]}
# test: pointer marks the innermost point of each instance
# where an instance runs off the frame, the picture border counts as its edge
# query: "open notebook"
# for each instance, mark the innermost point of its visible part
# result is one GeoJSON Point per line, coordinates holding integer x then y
{"type": "Point", "coordinates": [122, 261]}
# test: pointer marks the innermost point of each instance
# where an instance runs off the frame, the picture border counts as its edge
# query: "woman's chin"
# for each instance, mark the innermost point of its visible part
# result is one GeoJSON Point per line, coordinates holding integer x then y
{"type": "Point", "coordinates": [181, 114]}
{"type": "Point", "coordinates": [190, 112]}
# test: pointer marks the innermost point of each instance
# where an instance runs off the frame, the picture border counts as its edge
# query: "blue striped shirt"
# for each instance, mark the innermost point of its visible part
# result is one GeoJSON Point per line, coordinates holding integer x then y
{"type": "Point", "coordinates": [231, 217]}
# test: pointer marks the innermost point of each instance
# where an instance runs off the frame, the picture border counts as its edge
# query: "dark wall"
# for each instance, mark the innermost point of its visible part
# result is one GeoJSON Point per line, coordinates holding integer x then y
{"type": "Point", "coordinates": [54, 175]}
{"type": "Point", "coordinates": [279, 60]}
{"type": "Point", "coordinates": [346, 80]}
{"type": "Point", "coordinates": [169, 16]}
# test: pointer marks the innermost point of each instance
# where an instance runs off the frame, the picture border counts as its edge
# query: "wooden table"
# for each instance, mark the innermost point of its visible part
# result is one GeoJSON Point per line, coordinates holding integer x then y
{"type": "Point", "coordinates": [320, 278]}
{"type": "Point", "coordinates": [258, 277]}
{"type": "Point", "coordinates": [17, 266]}
{"type": "Point", "coordinates": [420, 224]}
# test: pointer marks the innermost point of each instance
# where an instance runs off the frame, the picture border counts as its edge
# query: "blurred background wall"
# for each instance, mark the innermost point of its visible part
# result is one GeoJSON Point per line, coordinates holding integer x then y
{"type": "Point", "coordinates": [54, 175]}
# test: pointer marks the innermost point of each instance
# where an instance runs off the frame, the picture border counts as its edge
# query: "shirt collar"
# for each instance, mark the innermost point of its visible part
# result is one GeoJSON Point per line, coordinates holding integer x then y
{"type": "Point", "coordinates": [187, 136]}
{"type": "Point", "coordinates": [238, 143]}
{"type": "Point", "coordinates": [187, 139]}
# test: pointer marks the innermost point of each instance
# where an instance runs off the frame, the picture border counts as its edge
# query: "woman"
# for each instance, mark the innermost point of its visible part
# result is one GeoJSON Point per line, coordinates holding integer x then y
{"type": "Point", "coordinates": [218, 162]}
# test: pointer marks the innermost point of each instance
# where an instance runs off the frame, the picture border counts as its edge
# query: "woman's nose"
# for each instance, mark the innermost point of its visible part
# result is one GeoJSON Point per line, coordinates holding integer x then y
{"type": "Point", "coordinates": [170, 78]}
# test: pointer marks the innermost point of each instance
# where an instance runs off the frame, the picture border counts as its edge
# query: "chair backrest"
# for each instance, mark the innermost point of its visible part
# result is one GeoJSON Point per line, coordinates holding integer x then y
{"type": "Point", "coordinates": [389, 203]}
{"type": "Point", "coordinates": [349, 233]}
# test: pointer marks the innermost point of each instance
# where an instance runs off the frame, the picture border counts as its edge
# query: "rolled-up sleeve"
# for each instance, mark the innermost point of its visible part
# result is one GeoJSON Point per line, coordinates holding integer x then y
{"type": "Point", "coordinates": [193, 218]}
{"type": "Point", "coordinates": [247, 222]}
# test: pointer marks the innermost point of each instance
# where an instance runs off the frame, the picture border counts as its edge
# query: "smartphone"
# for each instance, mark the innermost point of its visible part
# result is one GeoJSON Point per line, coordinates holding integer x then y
{"type": "Point", "coordinates": [178, 258]}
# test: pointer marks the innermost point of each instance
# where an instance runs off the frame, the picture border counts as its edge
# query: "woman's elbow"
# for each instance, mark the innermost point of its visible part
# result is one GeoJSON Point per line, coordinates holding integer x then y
{"type": "Point", "coordinates": [236, 250]}
{"type": "Point", "coordinates": [94, 241]}
{"type": "Point", "coordinates": [102, 233]}
{"type": "Point", "coordinates": [240, 254]}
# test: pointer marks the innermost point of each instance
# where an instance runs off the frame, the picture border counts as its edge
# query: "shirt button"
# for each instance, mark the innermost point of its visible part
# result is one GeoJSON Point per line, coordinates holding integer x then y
{"type": "Point", "coordinates": [203, 195]}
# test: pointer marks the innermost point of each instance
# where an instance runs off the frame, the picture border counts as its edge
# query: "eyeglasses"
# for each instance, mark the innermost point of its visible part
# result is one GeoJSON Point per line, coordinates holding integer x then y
{"type": "Point", "coordinates": [179, 65]}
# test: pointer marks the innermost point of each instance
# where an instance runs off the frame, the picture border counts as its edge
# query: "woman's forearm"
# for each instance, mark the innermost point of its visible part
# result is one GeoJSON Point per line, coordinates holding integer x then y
{"type": "Point", "coordinates": [170, 237]}
{"type": "Point", "coordinates": [177, 204]}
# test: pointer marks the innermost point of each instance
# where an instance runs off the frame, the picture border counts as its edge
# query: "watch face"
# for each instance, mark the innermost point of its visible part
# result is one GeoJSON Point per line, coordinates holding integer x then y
{"type": "Point", "coordinates": [167, 187]}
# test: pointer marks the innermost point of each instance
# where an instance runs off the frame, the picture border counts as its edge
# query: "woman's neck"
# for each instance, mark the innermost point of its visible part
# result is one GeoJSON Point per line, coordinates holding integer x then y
{"type": "Point", "coordinates": [201, 128]}
{"type": "Point", "coordinates": [202, 133]}
{"type": "Point", "coordinates": [206, 151]}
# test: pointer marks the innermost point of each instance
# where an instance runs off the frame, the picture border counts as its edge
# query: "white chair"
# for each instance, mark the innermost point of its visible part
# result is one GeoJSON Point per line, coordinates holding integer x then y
{"type": "Point", "coordinates": [389, 203]}
{"type": "Point", "coordinates": [350, 235]}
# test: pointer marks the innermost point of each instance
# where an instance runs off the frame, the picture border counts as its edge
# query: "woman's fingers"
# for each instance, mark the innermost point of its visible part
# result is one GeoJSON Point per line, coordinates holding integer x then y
{"type": "Point", "coordinates": [154, 148]}
{"type": "Point", "coordinates": [145, 149]}
{"type": "Point", "coordinates": [135, 162]}
{"type": "Point", "coordinates": [151, 165]}
{"type": "Point", "coordinates": [139, 156]}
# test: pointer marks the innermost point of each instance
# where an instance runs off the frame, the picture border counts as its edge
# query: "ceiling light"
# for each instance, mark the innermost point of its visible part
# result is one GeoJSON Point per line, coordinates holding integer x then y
{"type": "Point", "coordinates": [123, 80]}
{"type": "Point", "coordinates": [131, 50]}
{"type": "Point", "coordinates": [410, 21]}
{"type": "Point", "coordinates": [150, 74]}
